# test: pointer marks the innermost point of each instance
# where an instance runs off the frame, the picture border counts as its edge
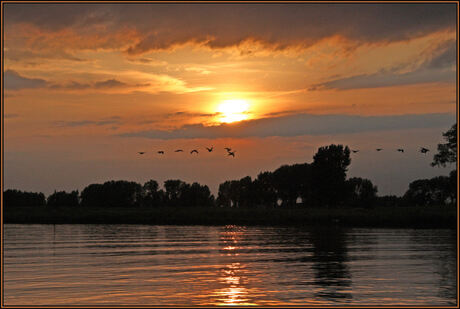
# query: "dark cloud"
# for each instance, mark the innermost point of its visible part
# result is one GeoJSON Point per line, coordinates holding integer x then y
{"type": "Point", "coordinates": [437, 68]}
{"type": "Point", "coordinates": [388, 79]}
{"type": "Point", "coordinates": [73, 85]}
{"type": "Point", "coordinates": [82, 123]}
{"type": "Point", "coordinates": [110, 83]}
{"type": "Point", "coordinates": [277, 26]}
{"type": "Point", "coordinates": [9, 116]}
{"type": "Point", "coordinates": [105, 84]}
{"type": "Point", "coordinates": [14, 81]}
{"type": "Point", "coordinates": [184, 114]}
{"type": "Point", "coordinates": [282, 113]}
{"type": "Point", "coordinates": [445, 57]}
{"type": "Point", "coordinates": [301, 124]}
{"type": "Point", "coordinates": [21, 55]}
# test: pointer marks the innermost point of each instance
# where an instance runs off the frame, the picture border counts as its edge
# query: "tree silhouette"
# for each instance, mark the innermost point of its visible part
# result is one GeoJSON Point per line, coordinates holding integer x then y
{"type": "Point", "coordinates": [62, 198]}
{"type": "Point", "coordinates": [196, 195]}
{"type": "Point", "coordinates": [264, 190]}
{"type": "Point", "coordinates": [19, 198]}
{"type": "Point", "coordinates": [329, 170]}
{"type": "Point", "coordinates": [453, 179]}
{"type": "Point", "coordinates": [224, 195]}
{"type": "Point", "coordinates": [179, 193]}
{"type": "Point", "coordinates": [447, 153]}
{"type": "Point", "coordinates": [435, 191]}
{"type": "Point", "coordinates": [231, 192]}
{"type": "Point", "coordinates": [152, 197]}
{"type": "Point", "coordinates": [362, 192]}
{"type": "Point", "coordinates": [173, 191]}
{"type": "Point", "coordinates": [284, 181]}
{"type": "Point", "coordinates": [245, 190]}
{"type": "Point", "coordinates": [119, 193]}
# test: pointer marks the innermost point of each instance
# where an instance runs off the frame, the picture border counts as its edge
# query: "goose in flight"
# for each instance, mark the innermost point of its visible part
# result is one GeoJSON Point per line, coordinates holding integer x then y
{"type": "Point", "coordinates": [231, 153]}
{"type": "Point", "coordinates": [194, 151]}
{"type": "Point", "coordinates": [161, 152]}
{"type": "Point", "coordinates": [141, 152]}
{"type": "Point", "coordinates": [355, 151]}
{"type": "Point", "coordinates": [210, 149]}
{"type": "Point", "coordinates": [424, 150]}
{"type": "Point", "coordinates": [379, 149]}
{"type": "Point", "coordinates": [228, 149]}
{"type": "Point", "coordinates": [178, 150]}
{"type": "Point", "coordinates": [400, 150]}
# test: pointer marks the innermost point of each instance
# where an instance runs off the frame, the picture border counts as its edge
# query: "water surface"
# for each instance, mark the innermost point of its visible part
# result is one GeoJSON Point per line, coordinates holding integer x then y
{"type": "Point", "coordinates": [203, 265]}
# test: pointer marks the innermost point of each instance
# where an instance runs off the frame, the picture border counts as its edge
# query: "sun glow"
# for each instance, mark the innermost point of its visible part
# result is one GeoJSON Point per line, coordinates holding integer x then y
{"type": "Point", "coordinates": [233, 110]}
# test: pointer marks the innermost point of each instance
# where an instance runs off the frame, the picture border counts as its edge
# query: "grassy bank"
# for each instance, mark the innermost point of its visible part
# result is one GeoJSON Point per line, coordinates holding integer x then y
{"type": "Point", "coordinates": [404, 217]}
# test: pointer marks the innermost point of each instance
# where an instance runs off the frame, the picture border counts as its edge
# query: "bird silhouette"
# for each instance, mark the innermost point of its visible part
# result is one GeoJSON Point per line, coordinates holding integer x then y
{"type": "Point", "coordinates": [355, 151]}
{"type": "Point", "coordinates": [231, 153]}
{"type": "Point", "coordinates": [178, 150]}
{"type": "Point", "coordinates": [210, 149]}
{"type": "Point", "coordinates": [424, 150]}
{"type": "Point", "coordinates": [400, 150]}
{"type": "Point", "coordinates": [141, 152]}
{"type": "Point", "coordinates": [161, 152]}
{"type": "Point", "coordinates": [194, 151]}
{"type": "Point", "coordinates": [378, 149]}
{"type": "Point", "coordinates": [228, 149]}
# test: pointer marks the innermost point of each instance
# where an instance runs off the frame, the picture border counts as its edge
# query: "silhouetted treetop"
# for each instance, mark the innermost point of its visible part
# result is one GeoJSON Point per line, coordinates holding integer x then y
{"type": "Point", "coordinates": [22, 198]}
{"type": "Point", "coordinates": [329, 171]}
{"type": "Point", "coordinates": [362, 192]}
{"type": "Point", "coordinates": [62, 198]}
{"type": "Point", "coordinates": [112, 194]}
{"type": "Point", "coordinates": [447, 153]}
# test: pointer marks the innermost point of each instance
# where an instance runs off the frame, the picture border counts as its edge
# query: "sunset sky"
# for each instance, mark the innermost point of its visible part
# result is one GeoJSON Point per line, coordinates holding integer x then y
{"type": "Point", "coordinates": [88, 86]}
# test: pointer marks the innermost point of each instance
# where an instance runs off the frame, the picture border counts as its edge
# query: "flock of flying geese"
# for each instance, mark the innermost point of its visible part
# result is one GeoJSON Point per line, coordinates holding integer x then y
{"type": "Point", "coordinates": [230, 152]}
{"type": "Point", "coordinates": [422, 150]}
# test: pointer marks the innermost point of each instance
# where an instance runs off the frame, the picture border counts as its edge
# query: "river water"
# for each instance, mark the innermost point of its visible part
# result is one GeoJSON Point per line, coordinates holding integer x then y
{"type": "Point", "coordinates": [227, 265]}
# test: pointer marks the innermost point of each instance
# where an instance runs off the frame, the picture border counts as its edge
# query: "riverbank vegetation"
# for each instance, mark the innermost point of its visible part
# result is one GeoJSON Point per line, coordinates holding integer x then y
{"type": "Point", "coordinates": [308, 193]}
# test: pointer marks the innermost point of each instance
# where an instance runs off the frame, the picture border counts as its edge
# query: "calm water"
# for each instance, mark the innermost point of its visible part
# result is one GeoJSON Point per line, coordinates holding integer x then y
{"type": "Point", "coordinates": [200, 265]}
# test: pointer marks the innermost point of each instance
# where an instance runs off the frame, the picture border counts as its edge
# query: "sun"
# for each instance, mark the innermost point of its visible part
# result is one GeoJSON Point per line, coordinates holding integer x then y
{"type": "Point", "coordinates": [233, 110]}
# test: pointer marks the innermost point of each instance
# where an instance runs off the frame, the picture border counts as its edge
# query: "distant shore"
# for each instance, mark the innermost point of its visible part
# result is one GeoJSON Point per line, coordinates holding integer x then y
{"type": "Point", "coordinates": [395, 217]}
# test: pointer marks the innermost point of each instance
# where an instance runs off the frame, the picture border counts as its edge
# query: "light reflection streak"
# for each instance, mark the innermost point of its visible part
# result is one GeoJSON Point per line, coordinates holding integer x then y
{"type": "Point", "coordinates": [234, 291]}
{"type": "Point", "coordinates": [233, 277]}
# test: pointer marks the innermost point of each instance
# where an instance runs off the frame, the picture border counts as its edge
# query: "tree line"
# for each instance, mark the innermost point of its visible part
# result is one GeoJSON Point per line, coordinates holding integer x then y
{"type": "Point", "coordinates": [322, 183]}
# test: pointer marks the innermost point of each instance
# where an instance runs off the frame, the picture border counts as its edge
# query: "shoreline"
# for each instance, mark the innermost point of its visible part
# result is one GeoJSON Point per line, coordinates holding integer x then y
{"type": "Point", "coordinates": [378, 217]}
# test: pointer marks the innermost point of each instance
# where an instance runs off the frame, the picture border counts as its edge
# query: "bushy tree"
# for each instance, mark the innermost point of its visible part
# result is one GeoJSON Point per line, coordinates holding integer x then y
{"type": "Point", "coordinates": [246, 196]}
{"type": "Point", "coordinates": [119, 193]}
{"type": "Point", "coordinates": [329, 170]}
{"type": "Point", "coordinates": [62, 198]}
{"type": "Point", "coordinates": [265, 192]}
{"type": "Point", "coordinates": [93, 196]}
{"type": "Point", "coordinates": [19, 198]}
{"type": "Point", "coordinates": [224, 197]}
{"type": "Point", "coordinates": [236, 193]}
{"type": "Point", "coordinates": [362, 192]}
{"type": "Point", "coordinates": [196, 195]}
{"type": "Point", "coordinates": [447, 153]}
{"type": "Point", "coordinates": [180, 193]}
{"type": "Point", "coordinates": [435, 191]}
{"type": "Point", "coordinates": [174, 188]}
{"type": "Point", "coordinates": [152, 196]}
{"type": "Point", "coordinates": [453, 179]}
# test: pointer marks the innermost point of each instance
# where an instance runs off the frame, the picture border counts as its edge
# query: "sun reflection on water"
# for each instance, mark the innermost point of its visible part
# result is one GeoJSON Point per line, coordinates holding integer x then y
{"type": "Point", "coordinates": [233, 278]}
{"type": "Point", "coordinates": [234, 290]}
